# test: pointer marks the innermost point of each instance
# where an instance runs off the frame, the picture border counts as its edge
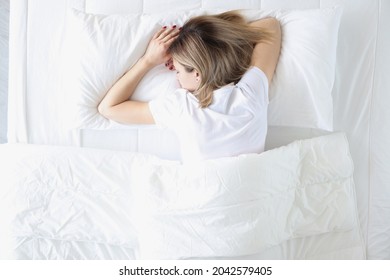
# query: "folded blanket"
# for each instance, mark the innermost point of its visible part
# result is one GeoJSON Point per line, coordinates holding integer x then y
{"type": "Point", "coordinates": [78, 203]}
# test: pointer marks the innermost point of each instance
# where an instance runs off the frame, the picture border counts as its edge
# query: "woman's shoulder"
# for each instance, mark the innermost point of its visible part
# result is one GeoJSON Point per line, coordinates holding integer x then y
{"type": "Point", "coordinates": [256, 71]}
{"type": "Point", "coordinates": [254, 85]}
{"type": "Point", "coordinates": [183, 95]}
{"type": "Point", "coordinates": [174, 101]}
{"type": "Point", "coordinates": [254, 76]}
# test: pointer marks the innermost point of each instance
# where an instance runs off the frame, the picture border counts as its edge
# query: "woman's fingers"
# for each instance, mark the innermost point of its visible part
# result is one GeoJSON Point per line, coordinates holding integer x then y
{"type": "Point", "coordinates": [166, 33]}
{"type": "Point", "coordinates": [169, 64]}
{"type": "Point", "coordinates": [158, 46]}
{"type": "Point", "coordinates": [169, 39]}
{"type": "Point", "coordinates": [158, 33]}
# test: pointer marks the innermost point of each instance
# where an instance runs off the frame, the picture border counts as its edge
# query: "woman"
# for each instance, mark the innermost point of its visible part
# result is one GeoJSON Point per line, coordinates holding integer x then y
{"type": "Point", "coordinates": [224, 66]}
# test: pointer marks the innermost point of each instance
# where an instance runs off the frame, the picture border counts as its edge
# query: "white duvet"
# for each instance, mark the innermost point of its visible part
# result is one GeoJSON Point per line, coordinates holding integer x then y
{"type": "Point", "coordinates": [77, 203]}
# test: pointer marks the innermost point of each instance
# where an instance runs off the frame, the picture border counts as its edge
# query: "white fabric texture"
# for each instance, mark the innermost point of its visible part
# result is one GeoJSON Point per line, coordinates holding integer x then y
{"type": "Point", "coordinates": [72, 203]}
{"type": "Point", "coordinates": [101, 48]}
{"type": "Point", "coordinates": [235, 122]}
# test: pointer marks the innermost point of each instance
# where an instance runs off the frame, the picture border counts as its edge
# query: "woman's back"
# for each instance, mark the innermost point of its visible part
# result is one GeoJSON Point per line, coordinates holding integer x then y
{"type": "Point", "coordinates": [221, 109]}
{"type": "Point", "coordinates": [234, 123]}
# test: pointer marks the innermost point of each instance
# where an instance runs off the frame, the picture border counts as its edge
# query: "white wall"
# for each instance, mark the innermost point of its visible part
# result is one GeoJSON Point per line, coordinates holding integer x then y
{"type": "Point", "coordinates": [4, 27]}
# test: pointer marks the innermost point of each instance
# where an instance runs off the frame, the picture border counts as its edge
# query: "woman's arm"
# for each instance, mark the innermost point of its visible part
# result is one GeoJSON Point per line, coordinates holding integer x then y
{"type": "Point", "coordinates": [266, 54]}
{"type": "Point", "coordinates": [115, 105]}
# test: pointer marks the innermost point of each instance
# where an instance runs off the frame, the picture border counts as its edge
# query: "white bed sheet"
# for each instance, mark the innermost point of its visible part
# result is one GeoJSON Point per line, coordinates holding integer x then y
{"type": "Point", "coordinates": [360, 92]}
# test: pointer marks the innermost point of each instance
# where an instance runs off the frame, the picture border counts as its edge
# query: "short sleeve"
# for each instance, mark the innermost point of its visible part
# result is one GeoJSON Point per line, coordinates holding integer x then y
{"type": "Point", "coordinates": [255, 84]}
{"type": "Point", "coordinates": [166, 110]}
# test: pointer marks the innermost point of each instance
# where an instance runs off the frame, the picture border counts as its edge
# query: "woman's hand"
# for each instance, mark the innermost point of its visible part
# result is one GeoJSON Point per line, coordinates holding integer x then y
{"type": "Point", "coordinates": [156, 52]}
{"type": "Point", "coordinates": [116, 104]}
{"type": "Point", "coordinates": [169, 64]}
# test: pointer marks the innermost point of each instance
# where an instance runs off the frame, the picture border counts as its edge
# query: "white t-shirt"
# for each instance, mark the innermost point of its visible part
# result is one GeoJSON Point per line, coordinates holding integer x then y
{"type": "Point", "coordinates": [235, 122]}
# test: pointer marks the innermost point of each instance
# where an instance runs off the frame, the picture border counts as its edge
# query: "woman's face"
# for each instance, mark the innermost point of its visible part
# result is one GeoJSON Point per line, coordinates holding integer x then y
{"type": "Point", "coordinates": [187, 80]}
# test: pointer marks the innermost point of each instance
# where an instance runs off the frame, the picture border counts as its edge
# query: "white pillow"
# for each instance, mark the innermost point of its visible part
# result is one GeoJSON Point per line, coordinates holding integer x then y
{"type": "Point", "coordinates": [101, 48]}
{"type": "Point", "coordinates": [301, 90]}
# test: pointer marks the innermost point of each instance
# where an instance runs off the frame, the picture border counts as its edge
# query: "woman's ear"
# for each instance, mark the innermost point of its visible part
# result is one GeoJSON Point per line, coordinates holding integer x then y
{"type": "Point", "coordinates": [197, 76]}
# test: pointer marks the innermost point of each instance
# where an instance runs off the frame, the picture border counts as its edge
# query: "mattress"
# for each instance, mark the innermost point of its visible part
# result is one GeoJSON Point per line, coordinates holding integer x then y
{"type": "Point", "coordinates": [360, 98]}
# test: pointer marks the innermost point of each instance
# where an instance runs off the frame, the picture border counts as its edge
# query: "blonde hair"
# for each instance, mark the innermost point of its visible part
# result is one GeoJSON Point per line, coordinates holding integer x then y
{"type": "Point", "coordinates": [219, 47]}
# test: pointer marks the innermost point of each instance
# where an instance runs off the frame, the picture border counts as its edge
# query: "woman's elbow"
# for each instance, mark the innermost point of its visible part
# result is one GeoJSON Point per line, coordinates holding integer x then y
{"type": "Point", "coordinates": [274, 23]}
{"type": "Point", "coordinates": [103, 110]}
{"type": "Point", "coordinates": [269, 23]}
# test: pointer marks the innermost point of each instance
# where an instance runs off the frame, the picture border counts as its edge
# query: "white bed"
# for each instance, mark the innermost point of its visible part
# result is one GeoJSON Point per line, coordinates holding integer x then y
{"type": "Point", "coordinates": [360, 102]}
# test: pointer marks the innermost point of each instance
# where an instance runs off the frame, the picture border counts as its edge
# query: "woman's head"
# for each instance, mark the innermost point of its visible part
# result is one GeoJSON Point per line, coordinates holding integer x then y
{"type": "Point", "coordinates": [212, 51]}
{"type": "Point", "coordinates": [188, 77]}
